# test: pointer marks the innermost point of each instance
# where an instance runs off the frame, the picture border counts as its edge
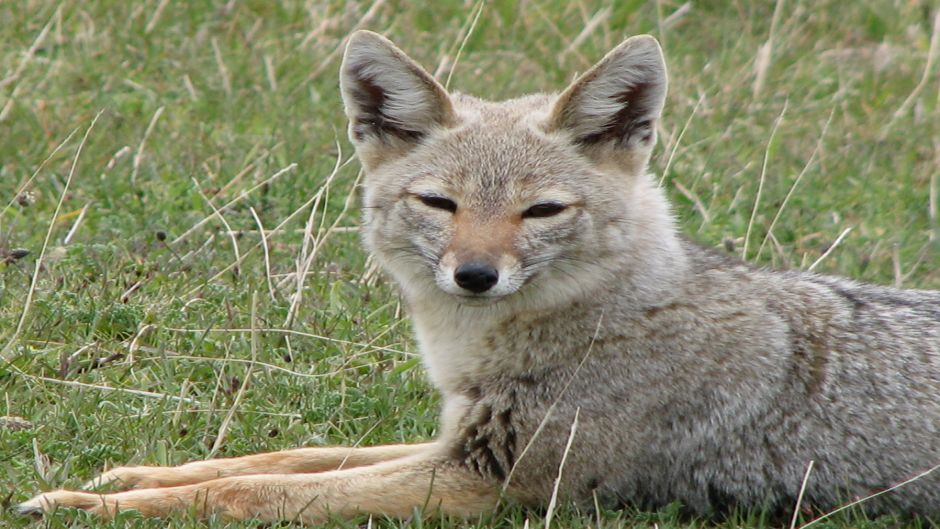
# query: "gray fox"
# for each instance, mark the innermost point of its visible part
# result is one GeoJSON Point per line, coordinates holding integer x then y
{"type": "Point", "coordinates": [576, 335]}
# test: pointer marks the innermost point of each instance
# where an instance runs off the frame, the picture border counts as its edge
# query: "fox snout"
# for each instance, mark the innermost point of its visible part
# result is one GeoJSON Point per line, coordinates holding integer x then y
{"type": "Point", "coordinates": [474, 264]}
{"type": "Point", "coordinates": [477, 274]}
{"type": "Point", "coordinates": [476, 277]}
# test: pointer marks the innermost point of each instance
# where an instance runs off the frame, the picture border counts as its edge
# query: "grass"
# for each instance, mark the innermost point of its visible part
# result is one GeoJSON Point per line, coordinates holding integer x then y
{"type": "Point", "coordinates": [127, 338]}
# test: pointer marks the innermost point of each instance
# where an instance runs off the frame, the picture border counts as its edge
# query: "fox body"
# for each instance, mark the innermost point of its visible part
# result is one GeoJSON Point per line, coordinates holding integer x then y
{"type": "Point", "coordinates": [555, 302]}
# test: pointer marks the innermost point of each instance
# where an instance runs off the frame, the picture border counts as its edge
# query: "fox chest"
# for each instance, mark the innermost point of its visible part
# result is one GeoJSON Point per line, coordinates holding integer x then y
{"type": "Point", "coordinates": [461, 350]}
{"type": "Point", "coordinates": [456, 353]}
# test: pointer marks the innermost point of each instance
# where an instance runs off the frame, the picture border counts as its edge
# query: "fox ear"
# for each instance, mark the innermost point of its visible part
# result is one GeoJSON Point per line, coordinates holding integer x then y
{"type": "Point", "coordinates": [618, 101]}
{"type": "Point", "coordinates": [387, 95]}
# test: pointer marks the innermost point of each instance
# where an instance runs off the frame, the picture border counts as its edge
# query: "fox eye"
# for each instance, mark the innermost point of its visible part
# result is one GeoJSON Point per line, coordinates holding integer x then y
{"type": "Point", "coordinates": [544, 209]}
{"type": "Point", "coordinates": [437, 202]}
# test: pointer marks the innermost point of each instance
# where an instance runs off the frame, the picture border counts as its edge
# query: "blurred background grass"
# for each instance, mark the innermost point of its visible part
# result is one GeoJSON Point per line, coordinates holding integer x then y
{"type": "Point", "coordinates": [794, 130]}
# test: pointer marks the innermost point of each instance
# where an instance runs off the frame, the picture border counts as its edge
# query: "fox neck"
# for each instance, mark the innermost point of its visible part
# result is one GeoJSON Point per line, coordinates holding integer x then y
{"type": "Point", "coordinates": [653, 262]}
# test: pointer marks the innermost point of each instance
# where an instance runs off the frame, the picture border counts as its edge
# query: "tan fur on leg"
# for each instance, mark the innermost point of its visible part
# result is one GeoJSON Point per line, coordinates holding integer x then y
{"type": "Point", "coordinates": [394, 488]}
{"type": "Point", "coordinates": [301, 460]}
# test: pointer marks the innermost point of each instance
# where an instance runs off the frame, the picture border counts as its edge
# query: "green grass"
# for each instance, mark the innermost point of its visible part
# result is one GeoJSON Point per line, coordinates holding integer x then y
{"type": "Point", "coordinates": [135, 343]}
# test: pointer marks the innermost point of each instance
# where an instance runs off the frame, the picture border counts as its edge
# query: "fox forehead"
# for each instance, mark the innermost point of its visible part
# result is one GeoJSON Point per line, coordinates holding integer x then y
{"type": "Point", "coordinates": [498, 148]}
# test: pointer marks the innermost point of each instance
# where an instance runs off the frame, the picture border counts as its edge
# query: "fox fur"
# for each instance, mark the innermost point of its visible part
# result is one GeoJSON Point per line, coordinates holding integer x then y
{"type": "Point", "coordinates": [550, 288]}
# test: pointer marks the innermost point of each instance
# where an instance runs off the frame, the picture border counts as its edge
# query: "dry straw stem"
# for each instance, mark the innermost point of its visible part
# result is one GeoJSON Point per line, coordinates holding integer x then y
{"type": "Point", "coordinates": [364, 21]}
{"type": "Point", "coordinates": [139, 156]}
{"type": "Point", "coordinates": [110, 389]}
{"type": "Point", "coordinates": [674, 18]}
{"type": "Point", "coordinates": [223, 428]}
{"type": "Point", "coordinates": [763, 176]}
{"type": "Point", "coordinates": [223, 70]}
{"type": "Point", "coordinates": [830, 249]}
{"type": "Point", "coordinates": [875, 495]}
{"type": "Point", "coordinates": [551, 408]}
{"type": "Point", "coordinates": [799, 178]}
{"type": "Point", "coordinates": [292, 332]}
{"type": "Point", "coordinates": [675, 146]}
{"type": "Point", "coordinates": [218, 214]}
{"type": "Point", "coordinates": [765, 53]}
{"type": "Point", "coordinates": [267, 256]}
{"type": "Point", "coordinates": [925, 77]}
{"type": "Point", "coordinates": [473, 24]}
{"type": "Point", "coordinates": [32, 177]}
{"type": "Point", "coordinates": [590, 26]}
{"type": "Point", "coordinates": [307, 254]}
{"type": "Point", "coordinates": [156, 16]}
{"type": "Point", "coordinates": [550, 513]}
{"type": "Point", "coordinates": [15, 76]}
{"type": "Point", "coordinates": [230, 203]}
{"type": "Point", "coordinates": [799, 498]}
{"type": "Point", "coordinates": [78, 221]}
{"type": "Point", "coordinates": [45, 243]}
{"type": "Point", "coordinates": [696, 201]}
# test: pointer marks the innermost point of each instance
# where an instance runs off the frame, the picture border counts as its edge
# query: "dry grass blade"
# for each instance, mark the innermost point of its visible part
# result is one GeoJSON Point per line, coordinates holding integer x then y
{"type": "Point", "coordinates": [223, 428]}
{"type": "Point", "coordinates": [696, 201]}
{"type": "Point", "coordinates": [267, 255]}
{"type": "Point", "coordinates": [763, 176]}
{"type": "Point", "coordinates": [675, 146]}
{"type": "Point", "coordinates": [550, 512]}
{"type": "Point", "coordinates": [363, 22]}
{"type": "Point", "coordinates": [473, 24]}
{"type": "Point", "coordinates": [599, 18]}
{"type": "Point", "coordinates": [296, 333]}
{"type": "Point", "coordinates": [867, 498]}
{"type": "Point", "coordinates": [765, 53]}
{"type": "Point", "coordinates": [27, 58]}
{"type": "Point", "coordinates": [799, 498]}
{"type": "Point", "coordinates": [218, 214]}
{"type": "Point", "coordinates": [99, 387]}
{"type": "Point", "coordinates": [39, 168]}
{"type": "Point", "coordinates": [829, 250]}
{"type": "Point", "coordinates": [139, 155]}
{"type": "Point", "coordinates": [793, 186]}
{"type": "Point", "coordinates": [241, 196]}
{"type": "Point", "coordinates": [306, 257]}
{"type": "Point", "coordinates": [925, 77]}
{"type": "Point", "coordinates": [78, 221]}
{"type": "Point", "coordinates": [223, 70]}
{"type": "Point", "coordinates": [155, 18]}
{"type": "Point", "coordinates": [554, 404]}
{"type": "Point", "coordinates": [45, 243]}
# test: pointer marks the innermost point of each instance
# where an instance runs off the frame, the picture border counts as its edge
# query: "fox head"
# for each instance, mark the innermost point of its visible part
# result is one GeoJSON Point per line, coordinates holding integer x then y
{"type": "Point", "coordinates": [494, 201]}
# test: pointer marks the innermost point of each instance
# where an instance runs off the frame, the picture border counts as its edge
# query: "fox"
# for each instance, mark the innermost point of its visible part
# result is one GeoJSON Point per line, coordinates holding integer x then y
{"type": "Point", "coordinates": [586, 351]}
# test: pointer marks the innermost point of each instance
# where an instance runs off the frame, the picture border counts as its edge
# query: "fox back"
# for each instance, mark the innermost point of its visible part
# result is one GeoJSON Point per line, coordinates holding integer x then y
{"type": "Point", "coordinates": [554, 299]}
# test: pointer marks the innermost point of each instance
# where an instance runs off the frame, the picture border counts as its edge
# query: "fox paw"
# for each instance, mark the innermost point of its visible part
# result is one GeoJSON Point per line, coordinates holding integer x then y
{"type": "Point", "coordinates": [50, 501]}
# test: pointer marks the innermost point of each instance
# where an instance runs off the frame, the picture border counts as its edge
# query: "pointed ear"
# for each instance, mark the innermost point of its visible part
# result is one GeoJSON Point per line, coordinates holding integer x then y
{"type": "Point", "coordinates": [618, 101]}
{"type": "Point", "coordinates": [387, 95]}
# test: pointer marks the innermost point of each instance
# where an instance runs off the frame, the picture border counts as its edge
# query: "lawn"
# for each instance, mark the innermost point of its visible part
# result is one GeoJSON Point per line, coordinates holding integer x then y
{"type": "Point", "coordinates": [180, 271]}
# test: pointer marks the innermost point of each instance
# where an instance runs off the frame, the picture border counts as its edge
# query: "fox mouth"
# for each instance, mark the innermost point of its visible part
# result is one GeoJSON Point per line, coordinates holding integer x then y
{"type": "Point", "coordinates": [477, 300]}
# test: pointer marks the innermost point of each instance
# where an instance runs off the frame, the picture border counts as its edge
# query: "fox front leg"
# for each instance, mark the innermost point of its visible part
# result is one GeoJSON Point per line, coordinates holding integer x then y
{"type": "Point", "coordinates": [394, 488]}
{"type": "Point", "coordinates": [297, 461]}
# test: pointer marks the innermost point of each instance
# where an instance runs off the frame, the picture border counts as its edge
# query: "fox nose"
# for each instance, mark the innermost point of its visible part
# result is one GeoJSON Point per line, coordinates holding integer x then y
{"type": "Point", "coordinates": [476, 277]}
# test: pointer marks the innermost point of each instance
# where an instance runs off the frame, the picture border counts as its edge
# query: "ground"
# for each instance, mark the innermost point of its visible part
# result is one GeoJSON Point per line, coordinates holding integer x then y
{"type": "Point", "coordinates": [145, 147]}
